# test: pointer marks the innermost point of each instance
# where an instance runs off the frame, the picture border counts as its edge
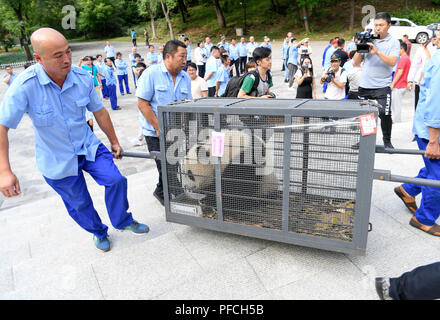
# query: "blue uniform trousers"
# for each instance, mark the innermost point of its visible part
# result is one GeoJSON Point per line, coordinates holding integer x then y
{"type": "Point", "coordinates": [123, 79]}
{"type": "Point", "coordinates": [104, 88]}
{"type": "Point", "coordinates": [111, 91]}
{"type": "Point", "coordinates": [134, 79]}
{"type": "Point", "coordinates": [422, 283]}
{"type": "Point", "coordinates": [429, 209]}
{"type": "Point", "coordinates": [76, 197]}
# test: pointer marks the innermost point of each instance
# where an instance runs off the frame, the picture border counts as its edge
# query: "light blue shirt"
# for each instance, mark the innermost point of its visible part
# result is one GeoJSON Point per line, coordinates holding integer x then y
{"type": "Point", "coordinates": [224, 45]}
{"type": "Point", "coordinates": [250, 47]}
{"type": "Point", "coordinates": [208, 49]}
{"type": "Point", "coordinates": [58, 117]}
{"type": "Point", "coordinates": [328, 56]}
{"type": "Point", "coordinates": [109, 51]}
{"type": "Point", "coordinates": [285, 48]}
{"type": "Point", "coordinates": [109, 74]}
{"type": "Point", "coordinates": [132, 60]}
{"type": "Point", "coordinates": [121, 67]}
{"type": "Point", "coordinates": [223, 78]}
{"type": "Point", "coordinates": [188, 52]}
{"type": "Point", "coordinates": [211, 66]}
{"type": "Point", "coordinates": [427, 113]}
{"type": "Point", "coordinates": [13, 77]}
{"type": "Point", "coordinates": [156, 86]}
{"type": "Point", "coordinates": [266, 46]}
{"type": "Point", "coordinates": [152, 58]}
{"type": "Point", "coordinates": [377, 74]}
{"type": "Point", "coordinates": [159, 58]}
{"type": "Point", "coordinates": [293, 55]}
{"type": "Point", "coordinates": [242, 49]}
{"type": "Point", "coordinates": [233, 52]}
{"type": "Point", "coordinates": [101, 66]}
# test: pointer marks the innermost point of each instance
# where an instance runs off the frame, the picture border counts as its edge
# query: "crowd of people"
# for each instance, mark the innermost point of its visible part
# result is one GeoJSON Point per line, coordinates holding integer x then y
{"type": "Point", "coordinates": [383, 73]}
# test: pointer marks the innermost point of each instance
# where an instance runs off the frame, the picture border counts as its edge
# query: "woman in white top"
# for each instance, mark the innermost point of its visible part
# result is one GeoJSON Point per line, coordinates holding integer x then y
{"type": "Point", "coordinates": [200, 58]}
{"type": "Point", "coordinates": [415, 72]}
{"type": "Point", "coordinates": [199, 88]}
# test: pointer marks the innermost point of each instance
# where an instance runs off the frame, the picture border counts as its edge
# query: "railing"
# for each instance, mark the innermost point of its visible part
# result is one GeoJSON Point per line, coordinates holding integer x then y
{"type": "Point", "coordinates": [16, 64]}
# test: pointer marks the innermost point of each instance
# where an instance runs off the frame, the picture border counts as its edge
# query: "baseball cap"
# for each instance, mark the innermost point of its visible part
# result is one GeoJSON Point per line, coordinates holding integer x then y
{"type": "Point", "coordinates": [223, 38]}
{"type": "Point", "coordinates": [335, 57]}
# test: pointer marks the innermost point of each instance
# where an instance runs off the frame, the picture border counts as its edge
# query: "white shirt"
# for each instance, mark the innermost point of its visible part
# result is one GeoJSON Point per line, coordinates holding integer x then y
{"type": "Point", "coordinates": [354, 77]}
{"type": "Point", "coordinates": [417, 65]}
{"type": "Point", "coordinates": [197, 87]}
{"type": "Point", "coordinates": [333, 91]}
{"type": "Point", "coordinates": [198, 56]}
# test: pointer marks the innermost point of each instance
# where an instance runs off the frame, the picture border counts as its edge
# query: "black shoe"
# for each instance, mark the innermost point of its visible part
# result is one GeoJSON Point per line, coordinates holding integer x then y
{"type": "Point", "coordinates": [118, 108]}
{"type": "Point", "coordinates": [159, 198]}
{"type": "Point", "coordinates": [286, 80]}
{"type": "Point", "coordinates": [383, 288]}
{"type": "Point", "coordinates": [414, 139]}
{"type": "Point", "coordinates": [387, 144]}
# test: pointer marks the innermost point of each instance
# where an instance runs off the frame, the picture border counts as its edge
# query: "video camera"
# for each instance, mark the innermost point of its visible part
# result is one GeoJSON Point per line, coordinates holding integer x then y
{"type": "Point", "coordinates": [365, 37]}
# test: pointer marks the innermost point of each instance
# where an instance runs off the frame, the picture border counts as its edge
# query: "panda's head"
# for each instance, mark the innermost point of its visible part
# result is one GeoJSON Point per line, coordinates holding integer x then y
{"type": "Point", "coordinates": [198, 168]}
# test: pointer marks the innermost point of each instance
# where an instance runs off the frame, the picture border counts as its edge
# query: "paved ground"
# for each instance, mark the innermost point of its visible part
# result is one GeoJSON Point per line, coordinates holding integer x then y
{"type": "Point", "coordinates": [45, 255]}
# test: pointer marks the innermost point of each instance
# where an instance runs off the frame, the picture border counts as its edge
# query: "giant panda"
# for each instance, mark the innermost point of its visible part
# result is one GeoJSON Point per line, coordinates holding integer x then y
{"type": "Point", "coordinates": [240, 175]}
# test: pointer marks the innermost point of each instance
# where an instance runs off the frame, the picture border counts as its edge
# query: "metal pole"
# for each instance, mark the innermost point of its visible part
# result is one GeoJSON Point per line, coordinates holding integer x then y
{"type": "Point", "coordinates": [382, 149]}
{"type": "Point", "coordinates": [152, 155]}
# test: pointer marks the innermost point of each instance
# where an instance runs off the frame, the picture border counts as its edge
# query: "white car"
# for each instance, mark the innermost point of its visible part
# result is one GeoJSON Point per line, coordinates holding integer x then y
{"type": "Point", "coordinates": [400, 27]}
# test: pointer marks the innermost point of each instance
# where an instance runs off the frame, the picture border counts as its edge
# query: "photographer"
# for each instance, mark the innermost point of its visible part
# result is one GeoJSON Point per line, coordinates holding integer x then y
{"type": "Point", "coordinates": [200, 58]}
{"type": "Point", "coordinates": [306, 81]}
{"type": "Point", "coordinates": [336, 78]}
{"type": "Point", "coordinates": [378, 66]}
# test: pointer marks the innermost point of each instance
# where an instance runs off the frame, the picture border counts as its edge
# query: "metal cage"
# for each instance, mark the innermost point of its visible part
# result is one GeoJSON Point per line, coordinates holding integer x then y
{"type": "Point", "coordinates": [303, 176]}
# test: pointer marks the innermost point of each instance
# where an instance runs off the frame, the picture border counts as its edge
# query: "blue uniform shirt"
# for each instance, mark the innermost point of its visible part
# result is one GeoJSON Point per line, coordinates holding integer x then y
{"type": "Point", "coordinates": [152, 58]}
{"type": "Point", "coordinates": [156, 86]}
{"type": "Point", "coordinates": [212, 66]}
{"type": "Point", "coordinates": [285, 48]}
{"type": "Point", "coordinates": [109, 74]}
{"type": "Point", "coordinates": [224, 45]}
{"type": "Point", "coordinates": [233, 52]}
{"type": "Point", "coordinates": [208, 49]}
{"type": "Point", "coordinates": [121, 67]}
{"type": "Point", "coordinates": [188, 52]}
{"type": "Point", "coordinates": [13, 77]}
{"type": "Point", "coordinates": [242, 49]}
{"type": "Point", "coordinates": [250, 47]}
{"type": "Point", "coordinates": [109, 51]}
{"type": "Point", "coordinates": [266, 46]}
{"type": "Point", "coordinates": [223, 78]}
{"type": "Point", "coordinates": [58, 117]}
{"type": "Point", "coordinates": [293, 55]}
{"type": "Point", "coordinates": [427, 113]}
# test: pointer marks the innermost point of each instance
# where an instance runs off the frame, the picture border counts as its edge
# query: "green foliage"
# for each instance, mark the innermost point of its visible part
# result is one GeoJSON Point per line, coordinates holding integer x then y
{"type": "Point", "coordinates": [100, 17]}
{"type": "Point", "coordinates": [419, 17]}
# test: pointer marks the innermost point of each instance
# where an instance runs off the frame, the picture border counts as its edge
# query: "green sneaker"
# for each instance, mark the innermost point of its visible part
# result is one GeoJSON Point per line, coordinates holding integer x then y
{"type": "Point", "coordinates": [137, 227]}
{"type": "Point", "coordinates": [102, 244]}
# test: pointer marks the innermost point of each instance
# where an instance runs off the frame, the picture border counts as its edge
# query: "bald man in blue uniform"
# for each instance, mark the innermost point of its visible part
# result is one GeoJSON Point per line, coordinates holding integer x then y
{"type": "Point", "coordinates": [56, 95]}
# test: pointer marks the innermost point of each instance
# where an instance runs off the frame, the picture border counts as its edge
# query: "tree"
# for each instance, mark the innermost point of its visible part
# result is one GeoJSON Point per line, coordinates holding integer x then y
{"type": "Point", "coordinates": [18, 12]}
{"type": "Point", "coordinates": [100, 17]}
{"type": "Point", "coordinates": [219, 12]}
{"type": "Point", "coordinates": [183, 10]}
{"type": "Point", "coordinates": [167, 5]}
{"type": "Point", "coordinates": [149, 8]}
{"type": "Point", "coordinates": [352, 3]}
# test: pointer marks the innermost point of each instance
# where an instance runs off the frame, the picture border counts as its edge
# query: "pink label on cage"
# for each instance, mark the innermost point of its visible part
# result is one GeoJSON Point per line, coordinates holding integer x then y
{"type": "Point", "coordinates": [217, 144]}
{"type": "Point", "coordinates": [368, 124]}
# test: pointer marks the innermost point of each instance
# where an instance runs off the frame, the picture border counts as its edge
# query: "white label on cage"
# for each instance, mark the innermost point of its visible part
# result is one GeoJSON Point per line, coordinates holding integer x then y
{"type": "Point", "coordinates": [187, 209]}
{"type": "Point", "coordinates": [368, 124]}
{"type": "Point", "coordinates": [217, 144]}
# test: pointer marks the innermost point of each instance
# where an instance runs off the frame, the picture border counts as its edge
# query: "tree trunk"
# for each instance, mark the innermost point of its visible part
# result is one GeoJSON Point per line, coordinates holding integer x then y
{"type": "Point", "coordinates": [23, 38]}
{"type": "Point", "coordinates": [166, 12]}
{"type": "Point", "coordinates": [220, 16]}
{"type": "Point", "coordinates": [306, 19]}
{"type": "Point", "coordinates": [352, 3]}
{"type": "Point", "coordinates": [183, 10]}
{"type": "Point", "coordinates": [153, 27]}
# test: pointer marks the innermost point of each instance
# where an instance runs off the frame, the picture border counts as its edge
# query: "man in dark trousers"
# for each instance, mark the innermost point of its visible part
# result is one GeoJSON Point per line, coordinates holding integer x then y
{"type": "Point", "coordinates": [162, 84]}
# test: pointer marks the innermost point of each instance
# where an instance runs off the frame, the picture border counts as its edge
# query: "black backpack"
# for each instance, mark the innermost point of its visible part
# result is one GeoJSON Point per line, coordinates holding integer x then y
{"type": "Point", "coordinates": [235, 83]}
